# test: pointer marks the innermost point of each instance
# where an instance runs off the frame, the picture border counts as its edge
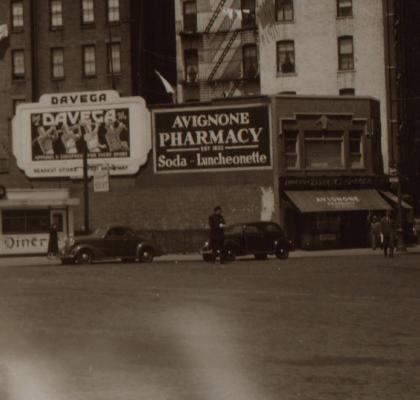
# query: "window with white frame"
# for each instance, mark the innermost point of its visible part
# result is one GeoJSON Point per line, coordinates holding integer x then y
{"type": "Point", "coordinates": [89, 60]}
{"type": "Point", "coordinates": [356, 149]}
{"type": "Point", "coordinates": [324, 150]}
{"type": "Point", "coordinates": [286, 57]}
{"type": "Point", "coordinates": [88, 12]}
{"type": "Point", "coordinates": [113, 10]}
{"type": "Point", "coordinates": [291, 149]}
{"type": "Point", "coordinates": [284, 10]}
{"type": "Point", "coordinates": [114, 58]}
{"type": "Point", "coordinates": [17, 15]}
{"type": "Point", "coordinates": [57, 63]}
{"type": "Point", "coordinates": [56, 13]}
{"type": "Point", "coordinates": [344, 8]}
{"type": "Point", "coordinates": [18, 64]}
{"type": "Point", "coordinates": [345, 53]}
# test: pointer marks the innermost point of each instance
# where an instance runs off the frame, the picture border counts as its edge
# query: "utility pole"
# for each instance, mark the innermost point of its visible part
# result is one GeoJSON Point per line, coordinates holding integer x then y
{"type": "Point", "coordinates": [111, 61]}
{"type": "Point", "coordinates": [85, 188]}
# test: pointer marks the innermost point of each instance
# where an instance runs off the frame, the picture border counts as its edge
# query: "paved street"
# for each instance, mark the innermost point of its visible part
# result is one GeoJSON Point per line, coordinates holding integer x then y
{"type": "Point", "coordinates": [306, 328]}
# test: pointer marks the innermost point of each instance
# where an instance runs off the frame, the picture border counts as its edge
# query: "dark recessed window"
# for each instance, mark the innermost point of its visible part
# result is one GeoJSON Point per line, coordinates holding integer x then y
{"type": "Point", "coordinates": [248, 13]}
{"type": "Point", "coordinates": [284, 10]}
{"type": "Point", "coordinates": [344, 8]}
{"type": "Point", "coordinates": [286, 57]}
{"type": "Point", "coordinates": [18, 64]}
{"type": "Point", "coordinates": [113, 14]}
{"type": "Point", "coordinates": [25, 221]}
{"type": "Point", "coordinates": [250, 61]}
{"type": "Point", "coordinates": [57, 63]}
{"type": "Point", "coordinates": [89, 61]}
{"type": "Point", "coordinates": [291, 149]}
{"type": "Point", "coordinates": [56, 13]}
{"type": "Point", "coordinates": [17, 15]}
{"type": "Point", "coordinates": [191, 65]}
{"type": "Point", "coordinates": [356, 149]}
{"type": "Point", "coordinates": [114, 58]}
{"type": "Point", "coordinates": [88, 12]}
{"type": "Point", "coordinates": [190, 16]}
{"type": "Point", "coordinates": [345, 53]}
{"type": "Point", "coordinates": [347, 92]}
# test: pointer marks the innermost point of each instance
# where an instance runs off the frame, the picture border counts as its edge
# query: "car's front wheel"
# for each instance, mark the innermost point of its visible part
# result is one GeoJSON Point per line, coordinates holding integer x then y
{"type": "Point", "coordinates": [146, 255]}
{"type": "Point", "coordinates": [84, 256]}
{"type": "Point", "coordinates": [282, 252]}
{"type": "Point", "coordinates": [230, 254]}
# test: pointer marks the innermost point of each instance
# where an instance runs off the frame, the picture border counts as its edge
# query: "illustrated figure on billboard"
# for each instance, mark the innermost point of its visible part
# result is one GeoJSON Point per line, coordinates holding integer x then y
{"type": "Point", "coordinates": [69, 138]}
{"type": "Point", "coordinates": [112, 136]}
{"type": "Point", "coordinates": [91, 137]}
{"type": "Point", "coordinates": [45, 139]}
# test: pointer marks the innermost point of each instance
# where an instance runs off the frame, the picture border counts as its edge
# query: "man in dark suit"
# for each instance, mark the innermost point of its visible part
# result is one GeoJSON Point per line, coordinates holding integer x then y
{"type": "Point", "coordinates": [388, 234]}
{"type": "Point", "coordinates": [217, 236]}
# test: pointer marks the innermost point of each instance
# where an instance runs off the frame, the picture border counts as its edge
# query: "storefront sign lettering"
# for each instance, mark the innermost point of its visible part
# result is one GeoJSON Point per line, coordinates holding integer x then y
{"type": "Point", "coordinates": [21, 244]}
{"type": "Point", "coordinates": [332, 182]}
{"type": "Point", "coordinates": [212, 139]}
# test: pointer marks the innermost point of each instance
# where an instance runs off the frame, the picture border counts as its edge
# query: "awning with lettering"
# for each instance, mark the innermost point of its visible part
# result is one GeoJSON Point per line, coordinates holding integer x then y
{"type": "Point", "coordinates": [310, 201]}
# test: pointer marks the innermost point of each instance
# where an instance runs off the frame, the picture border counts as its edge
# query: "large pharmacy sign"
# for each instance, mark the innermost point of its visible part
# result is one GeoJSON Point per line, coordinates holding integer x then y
{"type": "Point", "coordinates": [212, 138]}
{"type": "Point", "coordinates": [50, 137]}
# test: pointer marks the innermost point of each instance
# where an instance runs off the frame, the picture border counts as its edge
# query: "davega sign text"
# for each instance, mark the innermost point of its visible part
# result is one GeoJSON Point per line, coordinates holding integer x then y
{"type": "Point", "coordinates": [222, 138]}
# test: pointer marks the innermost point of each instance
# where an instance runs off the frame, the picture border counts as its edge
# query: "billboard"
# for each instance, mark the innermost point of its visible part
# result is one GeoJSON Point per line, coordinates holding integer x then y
{"type": "Point", "coordinates": [50, 137]}
{"type": "Point", "coordinates": [212, 138]}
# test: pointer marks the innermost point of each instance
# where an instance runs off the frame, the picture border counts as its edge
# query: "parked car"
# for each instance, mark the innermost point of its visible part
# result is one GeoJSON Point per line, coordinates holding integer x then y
{"type": "Point", "coordinates": [108, 243]}
{"type": "Point", "coordinates": [258, 238]}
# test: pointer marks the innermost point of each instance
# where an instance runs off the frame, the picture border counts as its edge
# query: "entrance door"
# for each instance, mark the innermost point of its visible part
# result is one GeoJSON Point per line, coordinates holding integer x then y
{"type": "Point", "coordinates": [59, 218]}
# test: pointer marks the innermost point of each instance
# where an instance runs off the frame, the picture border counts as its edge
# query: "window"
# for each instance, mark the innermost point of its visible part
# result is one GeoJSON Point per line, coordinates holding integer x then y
{"type": "Point", "coordinates": [345, 53]}
{"type": "Point", "coordinates": [113, 10]}
{"type": "Point", "coordinates": [88, 12]}
{"type": "Point", "coordinates": [56, 13]}
{"type": "Point", "coordinates": [347, 92]}
{"type": "Point", "coordinates": [190, 16]}
{"type": "Point", "coordinates": [356, 149]}
{"type": "Point", "coordinates": [25, 221]}
{"type": "Point", "coordinates": [191, 65]}
{"type": "Point", "coordinates": [114, 58]}
{"type": "Point", "coordinates": [324, 150]}
{"type": "Point", "coordinates": [17, 15]}
{"type": "Point", "coordinates": [18, 64]}
{"type": "Point", "coordinates": [248, 13]}
{"type": "Point", "coordinates": [284, 10]}
{"type": "Point", "coordinates": [291, 149]}
{"type": "Point", "coordinates": [57, 63]}
{"type": "Point", "coordinates": [250, 61]}
{"type": "Point", "coordinates": [89, 61]}
{"type": "Point", "coordinates": [344, 8]}
{"type": "Point", "coordinates": [286, 57]}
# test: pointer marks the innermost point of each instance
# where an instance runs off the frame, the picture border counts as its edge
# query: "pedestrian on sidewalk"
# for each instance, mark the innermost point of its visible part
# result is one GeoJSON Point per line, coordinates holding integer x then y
{"type": "Point", "coordinates": [388, 234]}
{"type": "Point", "coordinates": [53, 241]}
{"type": "Point", "coordinates": [217, 235]}
{"type": "Point", "coordinates": [375, 232]}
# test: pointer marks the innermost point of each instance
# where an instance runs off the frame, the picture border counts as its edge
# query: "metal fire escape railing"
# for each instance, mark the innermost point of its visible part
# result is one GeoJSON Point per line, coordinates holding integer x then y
{"type": "Point", "coordinates": [235, 86]}
{"type": "Point", "coordinates": [215, 15]}
{"type": "Point", "coordinates": [223, 55]}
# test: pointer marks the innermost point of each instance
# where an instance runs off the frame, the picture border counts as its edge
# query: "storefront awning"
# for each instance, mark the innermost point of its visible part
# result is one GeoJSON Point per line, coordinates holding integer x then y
{"type": "Point", "coordinates": [28, 203]}
{"type": "Point", "coordinates": [394, 199]}
{"type": "Point", "coordinates": [310, 201]}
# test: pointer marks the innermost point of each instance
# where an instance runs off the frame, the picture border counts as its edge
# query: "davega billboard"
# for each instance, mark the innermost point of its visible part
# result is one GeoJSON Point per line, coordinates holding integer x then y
{"type": "Point", "coordinates": [212, 139]}
{"type": "Point", "coordinates": [50, 137]}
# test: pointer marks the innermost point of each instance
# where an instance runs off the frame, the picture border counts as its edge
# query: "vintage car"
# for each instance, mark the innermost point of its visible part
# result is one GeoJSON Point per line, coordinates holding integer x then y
{"type": "Point", "coordinates": [115, 242]}
{"type": "Point", "coordinates": [258, 238]}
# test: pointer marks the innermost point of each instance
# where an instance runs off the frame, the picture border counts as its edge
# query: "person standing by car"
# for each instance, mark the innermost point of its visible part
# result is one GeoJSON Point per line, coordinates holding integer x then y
{"type": "Point", "coordinates": [388, 234]}
{"type": "Point", "coordinates": [217, 235]}
{"type": "Point", "coordinates": [53, 241]}
{"type": "Point", "coordinates": [375, 231]}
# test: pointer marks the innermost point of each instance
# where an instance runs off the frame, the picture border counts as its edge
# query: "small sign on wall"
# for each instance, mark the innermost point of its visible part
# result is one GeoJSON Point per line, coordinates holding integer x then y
{"type": "Point", "coordinates": [101, 180]}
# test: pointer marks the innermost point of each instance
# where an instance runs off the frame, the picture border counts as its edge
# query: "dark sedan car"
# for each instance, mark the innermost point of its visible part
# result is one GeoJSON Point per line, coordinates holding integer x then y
{"type": "Point", "coordinates": [258, 238]}
{"type": "Point", "coordinates": [108, 243]}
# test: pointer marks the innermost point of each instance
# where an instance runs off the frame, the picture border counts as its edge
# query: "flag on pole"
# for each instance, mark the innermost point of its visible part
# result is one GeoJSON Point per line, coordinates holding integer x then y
{"type": "Point", "coordinates": [166, 84]}
{"type": "Point", "coordinates": [4, 33]}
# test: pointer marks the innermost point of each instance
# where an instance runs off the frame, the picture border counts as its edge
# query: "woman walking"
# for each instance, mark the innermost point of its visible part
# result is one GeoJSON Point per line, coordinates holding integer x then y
{"type": "Point", "coordinates": [53, 241]}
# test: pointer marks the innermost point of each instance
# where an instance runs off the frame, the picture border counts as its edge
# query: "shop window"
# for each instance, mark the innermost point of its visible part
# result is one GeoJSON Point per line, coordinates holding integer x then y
{"type": "Point", "coordinates": [248, 13]}
{"type": "Point", "coordinates": [347, 92]}
{"type": "Point", "coordinates": [344, 8]}
{"type": "Point", "coordinates": [18, 64]}
{"type": "Point", "coordinates": [56, 14]}
{"type": "Point", "coordinates": [17, 15]}
{"type": "Point", "coordinates": [345, 53]}
{"type": "Point", "coordinates": [191, 65]}
{"type": "Point", "coordinates": [190, 16]}
{"type": "Point", "coordinates": [250, 61]}
{"type": "Point", "coordinates": [25, 221]}
{"type": "Point", "coordinates": [327, 223]}
{"type": "Point", "coordinates": [57, 63]}
{"type": "Point", "coordinates": [286, 57]}
{"type": "Point", "coordinates": [114, 58]}
{"type": "Point", "coordinates": [291, 149]}
{"type": "Point", "coordinates": [356, 149]}
{"type": "Point", "coordinates": [284, 10]}
{"type": "Point", "coordinates": [324, 150]}
{"type": "Point", "coordinates": [113, 11]}
{"type": "Point", "coordinates": [88, 12]}
{"type": "Point", "coordinates": [89, 61]}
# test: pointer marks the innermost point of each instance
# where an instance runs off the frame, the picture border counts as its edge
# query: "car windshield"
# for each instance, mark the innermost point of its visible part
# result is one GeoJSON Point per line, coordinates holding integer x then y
{"type": "Point", "coordinates": [99, 232]}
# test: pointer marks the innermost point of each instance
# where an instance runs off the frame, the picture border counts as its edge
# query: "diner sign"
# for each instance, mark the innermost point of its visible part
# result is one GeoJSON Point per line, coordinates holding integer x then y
{"type": "Point", "coordinates": [212, 138]}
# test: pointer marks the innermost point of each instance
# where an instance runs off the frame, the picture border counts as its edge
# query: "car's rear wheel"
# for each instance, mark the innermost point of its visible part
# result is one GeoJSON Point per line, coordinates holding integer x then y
{"type": "Point", "coordinates": [282, 252]}
{"type": "Point", "coordinates": [230, 254]}
{"type": "Point", "coordinates": [260, 256]}
{"type": "Point", "coordinates": [146, 255]}
{"type": "Point", "coordinates": [84, 256]}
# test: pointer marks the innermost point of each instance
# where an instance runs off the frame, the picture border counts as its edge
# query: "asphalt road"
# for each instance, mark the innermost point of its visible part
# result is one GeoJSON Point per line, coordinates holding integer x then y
{"type": "Point", "coordinates": [321, 328]}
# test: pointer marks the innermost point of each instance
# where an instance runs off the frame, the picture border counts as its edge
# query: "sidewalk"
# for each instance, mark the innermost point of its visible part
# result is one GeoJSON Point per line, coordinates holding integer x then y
{"type": "Point", "coordinates": [21, 261]}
